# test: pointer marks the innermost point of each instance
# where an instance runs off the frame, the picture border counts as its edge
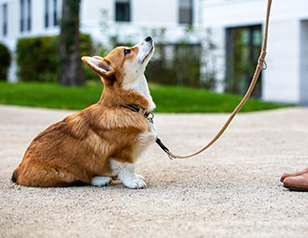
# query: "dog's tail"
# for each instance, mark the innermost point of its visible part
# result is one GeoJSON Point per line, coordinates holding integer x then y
{"type": "Point", "coordinates": [14, 176]}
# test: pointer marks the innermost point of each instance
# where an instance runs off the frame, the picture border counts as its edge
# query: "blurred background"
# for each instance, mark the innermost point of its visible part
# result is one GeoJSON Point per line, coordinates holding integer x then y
{"type": "Point", "coordinates": [207, 44]}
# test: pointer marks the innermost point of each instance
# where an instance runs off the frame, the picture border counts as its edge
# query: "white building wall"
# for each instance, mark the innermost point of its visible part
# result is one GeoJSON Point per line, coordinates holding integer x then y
{"type": "Point", "coordinates": [12, 33]}
{"type": "Point", "coordinates": [13, 23]}
{"type": "Point", "coordinates": [90, 14]}
{"type": "Point", "coordinates": [222, 13]}
{"type": "Point", "coordinates": [281, 80]}
{"type": "Point", "coordinates": [37, 21]}
{"type": "Point", "coordinates": [153, 14]}
{"type": "Point", "coordinates": [1, 20]}
{"type": "Point", "coordinates": [91, 17]}
{"type": "Point", "coordinates": [284, 80]}
{"type": "Point", "coordinates": [144, 14]}
{"type": "Point", "coordinates": [304, 63]}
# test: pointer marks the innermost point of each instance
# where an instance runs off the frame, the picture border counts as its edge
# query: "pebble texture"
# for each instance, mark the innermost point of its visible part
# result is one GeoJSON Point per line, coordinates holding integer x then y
{"type": "Point", "coordinates": [230, 190]}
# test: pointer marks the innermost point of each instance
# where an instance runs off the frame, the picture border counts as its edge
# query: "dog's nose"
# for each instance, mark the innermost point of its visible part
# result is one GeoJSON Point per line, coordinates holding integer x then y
{"type": "Point", "coordinates": [148, 38]}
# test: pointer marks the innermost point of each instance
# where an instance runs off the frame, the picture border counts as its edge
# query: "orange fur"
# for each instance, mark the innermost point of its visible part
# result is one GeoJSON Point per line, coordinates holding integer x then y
{"type": "Point", "coordinates": [79, 147]}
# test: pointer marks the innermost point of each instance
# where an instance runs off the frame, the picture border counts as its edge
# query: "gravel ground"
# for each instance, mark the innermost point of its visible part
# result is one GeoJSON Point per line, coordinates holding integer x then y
{"type": "Point", "coordinates": [231, 190]}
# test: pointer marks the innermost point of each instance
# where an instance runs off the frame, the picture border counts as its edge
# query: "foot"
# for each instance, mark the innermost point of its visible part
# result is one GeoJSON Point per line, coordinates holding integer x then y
{"type": "Point", "coordinates": [293, 174]}
{"type": "Point", "coordinates": [297, 183]}
{"type": "Point", "coordinates": [134, 182]}
{"type": "Point", "coordinates": [126, 173]}
{"type": "Point", "coordinates": [100, 181]}
{"type": "Point", "coordinates": [139, 176]}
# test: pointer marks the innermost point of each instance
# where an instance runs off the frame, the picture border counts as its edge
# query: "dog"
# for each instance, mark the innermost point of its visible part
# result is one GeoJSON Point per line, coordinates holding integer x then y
{"type": "Point", "coordinates": [103, 140]}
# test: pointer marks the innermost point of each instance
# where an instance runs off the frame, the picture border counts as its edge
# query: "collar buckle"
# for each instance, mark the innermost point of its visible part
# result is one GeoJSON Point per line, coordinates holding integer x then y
{"type": "Point", "coordinates": [149, 116]}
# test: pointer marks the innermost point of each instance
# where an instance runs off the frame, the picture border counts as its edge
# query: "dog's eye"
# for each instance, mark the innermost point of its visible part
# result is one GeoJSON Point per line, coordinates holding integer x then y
{"type": "Point", "coordinates": [126, 51]}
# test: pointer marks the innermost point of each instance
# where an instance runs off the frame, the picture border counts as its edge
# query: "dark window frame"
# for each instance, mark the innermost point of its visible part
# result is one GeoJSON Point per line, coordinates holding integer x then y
{"type": "Point", "coordinates": [123, 11]}
{"type": "Point", "coordinates": [46, 13]}
{"type": "Point", "coordinates": [22, 15]}
{"type": "Point", "coordinates": [243, 45]}
{"type": "Point", "coordinates": [29, 15]}
{"type": "Point", "coordinates": [186, 13]}
{"type": "Point", "coordinates": [55, 13]}
{"type": "Point", "coordinates": [5, 12]}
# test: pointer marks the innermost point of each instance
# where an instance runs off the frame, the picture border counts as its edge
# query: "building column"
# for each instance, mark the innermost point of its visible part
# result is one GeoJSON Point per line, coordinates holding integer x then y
{"type": "Point", "coordinates": [304, 63]}
{"type": "Point", "coordinates": [281, 79]}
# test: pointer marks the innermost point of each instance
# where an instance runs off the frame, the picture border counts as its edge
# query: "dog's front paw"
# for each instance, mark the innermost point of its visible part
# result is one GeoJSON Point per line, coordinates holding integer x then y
{"type": "Point", "coordinates": [139, 176]}
{"type": "Point", "coordinates": [135, 183]}
{"type": "Point", "coordinates": [126, 173]}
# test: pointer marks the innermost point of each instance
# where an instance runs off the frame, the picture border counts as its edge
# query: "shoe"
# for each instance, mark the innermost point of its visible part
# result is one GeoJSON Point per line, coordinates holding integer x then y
{"type": "Point", "coordinates": [297, 183]}
{"type": "Point", "coordinates": [292, 174]}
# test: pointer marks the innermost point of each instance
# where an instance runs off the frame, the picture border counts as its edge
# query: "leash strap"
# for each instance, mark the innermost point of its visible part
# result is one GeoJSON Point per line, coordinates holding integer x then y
{"type": "Point", "coordinates": [260, 66]}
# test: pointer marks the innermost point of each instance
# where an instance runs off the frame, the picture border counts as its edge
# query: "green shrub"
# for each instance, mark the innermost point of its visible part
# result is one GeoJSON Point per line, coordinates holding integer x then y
{"type": "Point", "coordinates": [87, 49]}
{"type": "Point", "coordinates": [177, 64]}
{"type": "Point", "coordinates": [5, 61]}
{"type": "Point", "coordinates": [174, 63]}
{"type": "Point", "coordinates": [38, 60]}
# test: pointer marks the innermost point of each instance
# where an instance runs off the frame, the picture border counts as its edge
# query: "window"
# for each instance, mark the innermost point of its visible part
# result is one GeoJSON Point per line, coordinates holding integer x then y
{"type": "Point", "coordinates": [29, 15]}
{"type": "Point", "coordinates": [22, 15]}
{"type": "Point", "coordinates": [51, 16]}
{"type": "Point", "coordinates": [185, 12]}
{"type": "Point", "coordinates": [4, 27]}
{"type": "Point", "coordinates": [243, 50]}
{"type": "Point", "coordinates": [46, 13]}
{"type": "Point", "coordinates": [122, 10]}
{"type": "Point", "coordinates": [25, 15]}
{"type": "Point", "coordinates": [55, 13]}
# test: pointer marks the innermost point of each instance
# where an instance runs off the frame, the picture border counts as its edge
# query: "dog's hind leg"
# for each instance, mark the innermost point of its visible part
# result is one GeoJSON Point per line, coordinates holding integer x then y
{"type": "Point", "coordinates": [100, 181]}
{"type": "Point", "coordinates": [38, 175]}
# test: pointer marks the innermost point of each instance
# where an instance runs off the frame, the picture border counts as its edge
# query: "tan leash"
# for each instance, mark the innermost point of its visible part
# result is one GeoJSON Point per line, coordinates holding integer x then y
{"type": "Point", "coordinates": [260, 66]}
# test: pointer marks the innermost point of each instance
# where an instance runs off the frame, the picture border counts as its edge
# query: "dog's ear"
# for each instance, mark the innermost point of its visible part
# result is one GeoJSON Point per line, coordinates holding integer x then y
{"type": "Point", "coordinates": [99, 65]}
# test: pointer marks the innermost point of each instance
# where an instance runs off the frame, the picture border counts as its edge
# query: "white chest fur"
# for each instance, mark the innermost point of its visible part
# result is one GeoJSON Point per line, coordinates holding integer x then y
{"type": "Point", "coordinates": [141, 86]}
{"type": "Point", "coordinates": [145, 139]}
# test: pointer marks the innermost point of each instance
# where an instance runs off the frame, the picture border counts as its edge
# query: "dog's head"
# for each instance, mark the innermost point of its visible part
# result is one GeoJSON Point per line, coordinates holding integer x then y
{"type": "Point", "coordinates": [123, 65]}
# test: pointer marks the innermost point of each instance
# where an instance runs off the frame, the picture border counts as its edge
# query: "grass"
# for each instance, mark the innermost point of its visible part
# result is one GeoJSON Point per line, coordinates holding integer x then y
{"type": "Point", "coordinates": [49, 95]}
{"type": "Point", "coordinates": [167, 98]}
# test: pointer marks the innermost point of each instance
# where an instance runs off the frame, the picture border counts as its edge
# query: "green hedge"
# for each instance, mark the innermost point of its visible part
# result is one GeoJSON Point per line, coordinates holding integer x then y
{"type": "Point", "coordinates": [38, 60]}
{"type": "Point", "coordinates": [5, 61]}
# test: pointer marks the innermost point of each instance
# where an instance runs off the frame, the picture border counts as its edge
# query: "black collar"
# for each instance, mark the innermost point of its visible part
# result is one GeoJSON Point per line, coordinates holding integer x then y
{"type": "Point", "coordinates": [145, 113]}
{"type": "Point", "coordinates": [134, 108]}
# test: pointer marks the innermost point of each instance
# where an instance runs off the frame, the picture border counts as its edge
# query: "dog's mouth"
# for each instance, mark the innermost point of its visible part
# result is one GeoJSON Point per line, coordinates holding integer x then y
{"type": "Point", "coordinates": [148, 55]}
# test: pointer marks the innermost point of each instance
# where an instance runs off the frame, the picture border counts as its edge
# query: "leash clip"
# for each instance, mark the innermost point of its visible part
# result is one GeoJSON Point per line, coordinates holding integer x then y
{"type": "Point", "coordinates": [149, 116]}
{"type": "Point", "coordinates": [263, 66]}
{"type": "Point", "coordinates": [170, 156]}
{"type": "Point", "coordinates": [164, 148]}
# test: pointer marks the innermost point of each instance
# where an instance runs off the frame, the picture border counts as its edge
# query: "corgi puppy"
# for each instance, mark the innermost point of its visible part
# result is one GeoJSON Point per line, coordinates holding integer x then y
{"type": "Point", "coordinates": [103, 140]}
